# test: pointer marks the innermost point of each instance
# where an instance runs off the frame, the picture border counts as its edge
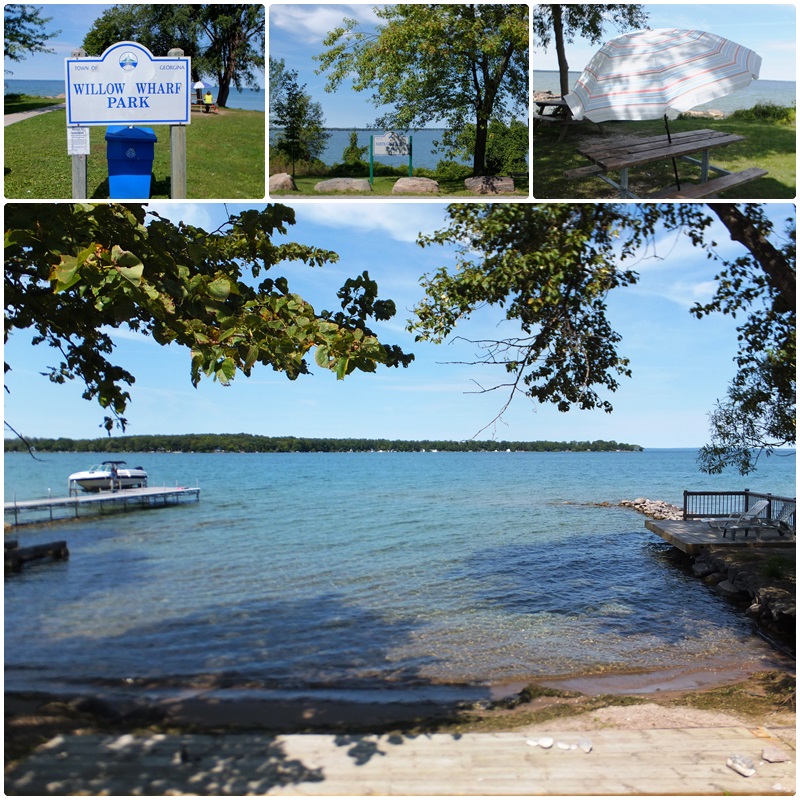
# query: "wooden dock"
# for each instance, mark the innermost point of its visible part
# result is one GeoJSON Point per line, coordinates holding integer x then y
{"type": "Point", "coordinates": [692, 535]}
{"type": "Point", "coordinates": [19, 512]}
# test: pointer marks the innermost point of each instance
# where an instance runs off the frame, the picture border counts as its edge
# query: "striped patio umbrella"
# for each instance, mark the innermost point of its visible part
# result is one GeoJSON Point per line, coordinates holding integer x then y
{"type": "Point", "coordinates": [646, 74]}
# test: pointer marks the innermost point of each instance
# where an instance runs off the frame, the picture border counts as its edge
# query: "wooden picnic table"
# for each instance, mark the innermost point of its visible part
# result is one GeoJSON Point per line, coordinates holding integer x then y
{"type": "Point", "coordinates": [623, 154]}
{"type": "Point", "coordinates": [559, 114]}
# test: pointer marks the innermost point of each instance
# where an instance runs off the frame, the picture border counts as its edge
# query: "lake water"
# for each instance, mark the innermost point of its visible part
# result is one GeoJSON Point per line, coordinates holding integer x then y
{"type": "Point", "coordinates": [780, 93]}
{"type": "Point", "coordinates": [248, 99]}
{"type": "Point", "coordinates": [425, 153]}
{"type": "Point", "coordinates": [429, 574]}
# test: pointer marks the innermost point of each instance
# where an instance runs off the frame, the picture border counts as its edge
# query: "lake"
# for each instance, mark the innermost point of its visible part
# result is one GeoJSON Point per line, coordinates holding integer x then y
{"type": "Point", "coordinates": [344, 575]}
{"type": "Point", "coordinates": [781, 93]}
{"type": "Point", "coordinates": [248, 99]}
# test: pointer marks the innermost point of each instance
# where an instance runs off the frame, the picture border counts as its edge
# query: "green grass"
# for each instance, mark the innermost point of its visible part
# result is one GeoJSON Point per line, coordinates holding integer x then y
{"type": "Point", "coordinates": [382, 187]}
{"type": "Point", "coordinates": [225, 158]}
{"type": "Point", "coordinates": [17, 103]}
{"type": "Point", "coordinates": [767, 144]}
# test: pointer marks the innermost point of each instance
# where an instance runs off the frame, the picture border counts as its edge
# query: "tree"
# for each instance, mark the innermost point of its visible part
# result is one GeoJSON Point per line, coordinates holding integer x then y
{"type": "Point", "coordinates": [277, 78]}
{"type": "Point", "coordinates": [561, 23]}
{"type": "Point", "coordinates": [506, 146]}
{"type": "Point", "coordinates": [353, 154]}
{"type": "Point", "coordinates": [551, 267]}
{"type": "Point", "coordinates": [23, 31]}
{"type": "Point", "coordinates": [302, 136]}
{"type": "Point", "coordinates": [225, 42]}
{"type": "Point", "coordinates": [455, 63]}
{"type": "Point", "coordinates": [74, 272]}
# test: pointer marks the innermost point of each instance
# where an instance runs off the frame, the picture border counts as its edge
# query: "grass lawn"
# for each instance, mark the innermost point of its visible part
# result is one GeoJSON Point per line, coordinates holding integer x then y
{"type": "Point", "coordinates": [769, 145]}
{"type": "Point", "coordinates": [26, 102]}
{"type": "Point", "coordinates": [382, 187]}
{"type": "Point", "coordinates": [225, 157]}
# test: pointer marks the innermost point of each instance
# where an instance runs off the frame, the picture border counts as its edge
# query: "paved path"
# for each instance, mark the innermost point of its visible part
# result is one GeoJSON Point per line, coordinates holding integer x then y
{"type": "Point", "coordinates": [686, 761]}
{"type": "Point", "coordinates": [10, 119]}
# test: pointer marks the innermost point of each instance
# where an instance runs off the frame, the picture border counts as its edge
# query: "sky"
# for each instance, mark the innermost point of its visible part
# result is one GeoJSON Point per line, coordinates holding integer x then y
{"type": "Point", "coordinates": [681, 365]}
{"type": "Point", "coordinates": [297, 30]}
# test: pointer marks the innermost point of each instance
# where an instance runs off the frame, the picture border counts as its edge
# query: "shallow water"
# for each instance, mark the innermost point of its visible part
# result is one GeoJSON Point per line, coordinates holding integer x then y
{"type": "Point", "coordinates": [336, 573]}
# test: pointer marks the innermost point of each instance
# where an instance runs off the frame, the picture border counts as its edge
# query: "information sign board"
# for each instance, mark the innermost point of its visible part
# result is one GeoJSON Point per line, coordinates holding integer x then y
{"type": "Point", "coordinates": [391, 144]}
{"type": "Point", "coordinates": [78, 141]}
{"type": "Point", "coordinates": [128, 85]}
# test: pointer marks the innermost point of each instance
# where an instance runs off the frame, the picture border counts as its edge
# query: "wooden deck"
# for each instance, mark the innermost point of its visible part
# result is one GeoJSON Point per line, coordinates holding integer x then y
{"type": "Point", "coordinates": [688, 761]}
{"type": "Point", "coordinates": [692, 535]}
{"type": "Point", "coordinates": [54, 508]}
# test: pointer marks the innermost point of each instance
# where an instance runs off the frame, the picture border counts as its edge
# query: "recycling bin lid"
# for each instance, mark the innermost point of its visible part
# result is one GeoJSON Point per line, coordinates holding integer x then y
{"type": "Point", "coordinates": [130, 133]}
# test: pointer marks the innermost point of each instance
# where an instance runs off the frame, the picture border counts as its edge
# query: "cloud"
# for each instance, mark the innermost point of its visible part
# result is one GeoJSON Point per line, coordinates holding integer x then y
{"type": "Point", "coordinates": [312, 23]}
{"type": "Point", "coordinates": [402, 222]}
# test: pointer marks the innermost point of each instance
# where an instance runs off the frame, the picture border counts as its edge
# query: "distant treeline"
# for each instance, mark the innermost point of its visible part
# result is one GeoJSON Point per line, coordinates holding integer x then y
{"type": "Point", "coordinates": [248, 443]}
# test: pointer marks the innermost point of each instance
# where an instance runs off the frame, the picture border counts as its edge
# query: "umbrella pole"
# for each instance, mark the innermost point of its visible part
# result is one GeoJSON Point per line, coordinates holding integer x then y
{"type": "Point", "coordinates": [674, 164]}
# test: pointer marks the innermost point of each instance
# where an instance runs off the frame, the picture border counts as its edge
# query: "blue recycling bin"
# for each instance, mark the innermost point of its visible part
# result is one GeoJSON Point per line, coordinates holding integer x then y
{"type": "Point", "coordinates": [130, 153]}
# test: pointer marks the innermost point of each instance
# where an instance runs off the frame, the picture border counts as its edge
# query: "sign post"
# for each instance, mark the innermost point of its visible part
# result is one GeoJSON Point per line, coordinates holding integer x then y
{"type": "Point", "coordinates": [128, 85]}
{"type": "Point", "coordinates": [390, 144]}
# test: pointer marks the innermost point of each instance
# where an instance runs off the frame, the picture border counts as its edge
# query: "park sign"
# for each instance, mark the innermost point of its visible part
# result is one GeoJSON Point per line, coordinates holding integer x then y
{"type": "Point", "coordinates": [128, 85]}
{"type": "Point", "coordinates": [389, 144]}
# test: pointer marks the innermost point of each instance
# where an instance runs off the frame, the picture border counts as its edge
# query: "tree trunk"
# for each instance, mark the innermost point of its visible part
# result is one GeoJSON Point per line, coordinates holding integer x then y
{"type": "Point", "coordinates": [481, 134]}
{"type": "Point", "coordinates": [558, 35]}
{"type": "Point", "coordinates": [224, 90]}
{"type": "Point", "coordinates": [769, 258]}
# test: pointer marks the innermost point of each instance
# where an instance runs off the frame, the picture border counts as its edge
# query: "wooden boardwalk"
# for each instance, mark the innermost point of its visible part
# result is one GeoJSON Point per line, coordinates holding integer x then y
{"type": "Point", "coordinates": [685, 761]}
{"type": "Point", "coordinates": [692, 535]}
{"type": "Point", "coordinates": [55, 508]}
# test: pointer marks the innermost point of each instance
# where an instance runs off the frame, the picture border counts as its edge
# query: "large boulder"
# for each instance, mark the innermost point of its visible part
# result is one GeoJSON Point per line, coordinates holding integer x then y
{"type": "Point", "coordinates": [344, 185]}
{"type": "Point", "coordinates": [415, 186]}
{"type": "Point", "coordinates": [490, 184]}
{"type": "Point", "coordinates": [283, 181]}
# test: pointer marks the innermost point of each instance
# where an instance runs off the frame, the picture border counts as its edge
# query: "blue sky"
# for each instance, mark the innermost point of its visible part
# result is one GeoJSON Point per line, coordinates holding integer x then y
{"type": "Point", "coordinates": [681, 365]}
{"type": "Point", "coordinates": [769, 29]}
{"type": "Point", "coordinates": [297, 30]}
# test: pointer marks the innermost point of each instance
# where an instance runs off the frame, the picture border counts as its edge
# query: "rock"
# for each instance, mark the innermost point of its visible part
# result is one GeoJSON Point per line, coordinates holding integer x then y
{"type": "Point", "coordinates": [415, 186]}
{"type": "Point", "coordinates": [711, 113]}
{"type": "Point", "coordinates": [774, 755]}
{"type": "Point", "coordinates": [490, 184]}
{"type": "Point", "coordinates": [282, 181]}
{"type": "Point", "coordinates": [344, 185]}
{"type": "Point", "coordinates": [727, 589]}
{"type": "Point", "coordinates": [585, 745]}
{"type": "Point", "coordinates": [546, 742]}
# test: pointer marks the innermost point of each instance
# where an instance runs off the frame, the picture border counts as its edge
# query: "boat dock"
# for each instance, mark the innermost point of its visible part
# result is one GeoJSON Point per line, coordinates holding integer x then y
{"type": "Point", "coordinates": [692, 535]}
{"type": "Point", "coordinates": [51, 509]}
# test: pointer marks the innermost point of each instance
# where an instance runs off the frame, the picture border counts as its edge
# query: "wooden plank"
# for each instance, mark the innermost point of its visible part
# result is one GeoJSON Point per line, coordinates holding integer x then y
{"type": "Point", "coordinates": [649, 150]}
{"type": "Point", "coordinates": [583, 172]}
{"type": "Point", "coordinates": [692, 535]}
{"type": "Point", "coordinates": [718, 185]}
{"type": "Point", "coordinates": [622, 762]}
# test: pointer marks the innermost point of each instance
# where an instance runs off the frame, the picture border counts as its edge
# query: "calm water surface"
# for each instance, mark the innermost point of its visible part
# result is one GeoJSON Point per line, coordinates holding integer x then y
{"type": "Point", "coordinates": [337, 573]}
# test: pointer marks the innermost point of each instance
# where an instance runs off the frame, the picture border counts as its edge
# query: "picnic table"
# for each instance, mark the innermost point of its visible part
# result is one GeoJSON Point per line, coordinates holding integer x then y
{"type": "Point", "coordinates": [624, 154]}
{"type": "Point", "coordinates": [555, 110]}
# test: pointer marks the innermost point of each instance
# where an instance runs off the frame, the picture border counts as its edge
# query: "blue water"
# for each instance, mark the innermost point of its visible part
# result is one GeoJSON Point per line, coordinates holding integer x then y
{"type": "Point", "coordinates": [247, 99]}
{"type": "Point", "coordinates": [424, 152]}
{"type": "Point", "coordinates": [321, 574]}
{"type": "Point", "coordinates": [780, 93]}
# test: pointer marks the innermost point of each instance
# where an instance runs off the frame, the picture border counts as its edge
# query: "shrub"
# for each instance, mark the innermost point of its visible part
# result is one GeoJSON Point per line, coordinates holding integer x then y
{"type": "Point", "coordinates": [453, 171]}
{"type": "Point", "coordinates": [766, 112]}
{"type": "Point", "coordinates": [280, 162]}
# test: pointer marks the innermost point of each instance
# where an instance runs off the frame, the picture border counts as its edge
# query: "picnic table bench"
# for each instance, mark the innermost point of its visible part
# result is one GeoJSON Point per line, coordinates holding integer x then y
{"type": "Point", "coordinates": [623, 154]}
{"type": "Point", "coordinates": [201, 107]}
{"type": "Point", "coordinates": [560, 114]}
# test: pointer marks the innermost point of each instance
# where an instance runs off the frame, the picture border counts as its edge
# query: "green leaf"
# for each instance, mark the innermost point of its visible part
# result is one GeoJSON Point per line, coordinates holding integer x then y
{"type": "Point", "coordinates": [322, 356]}
{"type": "Point", "coordinates": [66, 273]}
{"type": "Point", "coordinates": [128, 264]}
{"type": "Point", "coordinates": [220, 288]}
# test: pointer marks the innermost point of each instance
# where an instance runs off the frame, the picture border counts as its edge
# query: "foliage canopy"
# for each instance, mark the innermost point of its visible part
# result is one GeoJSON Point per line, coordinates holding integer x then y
{"type": "Point", "coordinates": [23, 31]}
{"type": "Point", "coordinates": [551, 267]}
{"type": "Point", "coordinates": [76, 272]}
{"type": "Point", "coordinates": [225, 42]}
{"type": "Point", "coordinates": [455, 63]}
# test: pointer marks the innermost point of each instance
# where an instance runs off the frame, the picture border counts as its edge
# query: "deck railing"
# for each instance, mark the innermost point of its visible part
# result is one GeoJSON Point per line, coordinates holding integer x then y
{"type": "Point", "coordinates": [699, 505]}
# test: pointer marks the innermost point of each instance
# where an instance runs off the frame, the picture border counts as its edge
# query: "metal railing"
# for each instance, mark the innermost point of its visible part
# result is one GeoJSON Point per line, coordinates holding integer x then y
{"type": "Point", "coordinates": [701, 505]}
